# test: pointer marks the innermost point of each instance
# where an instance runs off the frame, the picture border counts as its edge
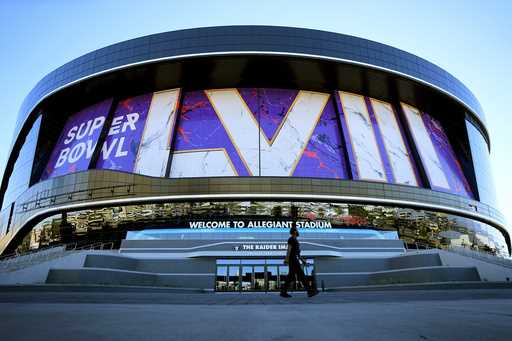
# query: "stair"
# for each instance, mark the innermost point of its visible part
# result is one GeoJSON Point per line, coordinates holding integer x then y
{"type": "Point", "coordinates": [199, 273]}
{"type": "Point", "coordinates": [417, 268]}
{"type": "Point", "coordinates": [122, 270]}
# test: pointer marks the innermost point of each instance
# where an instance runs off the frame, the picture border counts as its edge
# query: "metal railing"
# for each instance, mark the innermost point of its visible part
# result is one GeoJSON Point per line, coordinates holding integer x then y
{"type": "Point", "coordinates": [17, 261]}
{"type": "Point", "coordinates": [94, 246]}
{"type": "Point", "coordinates": [486, 257]}
{"type": "Point", "coordinates": [464, 251]}
{"type": "Point", "coordinates": [417, 246]}
{"type": "Point", "coordinates": [43, 200]}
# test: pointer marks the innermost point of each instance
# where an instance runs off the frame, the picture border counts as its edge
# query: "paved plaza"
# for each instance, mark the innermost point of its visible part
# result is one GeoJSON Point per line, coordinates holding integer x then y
{"type": "Point", "coordinates": [96, 314]}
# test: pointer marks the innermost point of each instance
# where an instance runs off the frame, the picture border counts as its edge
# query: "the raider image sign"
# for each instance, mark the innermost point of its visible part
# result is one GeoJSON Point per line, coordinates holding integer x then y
{"type": "Point", "coordinates": [261, 247]}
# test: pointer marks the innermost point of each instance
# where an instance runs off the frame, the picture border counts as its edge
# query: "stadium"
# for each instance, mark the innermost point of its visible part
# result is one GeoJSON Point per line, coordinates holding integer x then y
{"type": "Point", "coordinates": [198, 149]}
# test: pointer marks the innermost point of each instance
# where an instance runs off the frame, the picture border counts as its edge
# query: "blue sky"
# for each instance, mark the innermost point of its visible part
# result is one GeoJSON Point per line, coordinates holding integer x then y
{"type": "Point", "coordinates": [470, 39]}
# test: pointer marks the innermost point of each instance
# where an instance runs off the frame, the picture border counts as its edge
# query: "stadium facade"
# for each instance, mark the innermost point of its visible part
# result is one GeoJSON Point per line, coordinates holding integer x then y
{"type": "Point", "coordinates": [240, 132]}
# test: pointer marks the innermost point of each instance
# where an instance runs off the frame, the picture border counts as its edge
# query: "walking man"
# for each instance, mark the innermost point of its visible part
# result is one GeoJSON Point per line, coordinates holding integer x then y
{"type": "Point", "coordinates": [293, 260]}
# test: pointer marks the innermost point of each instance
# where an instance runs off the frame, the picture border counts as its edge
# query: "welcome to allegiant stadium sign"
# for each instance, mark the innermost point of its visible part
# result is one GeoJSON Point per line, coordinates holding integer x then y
{"type": "Point", "coordinates": [267, 224]}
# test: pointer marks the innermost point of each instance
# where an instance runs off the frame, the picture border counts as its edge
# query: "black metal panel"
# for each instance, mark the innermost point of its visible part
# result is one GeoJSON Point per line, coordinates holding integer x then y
{"type": "Point", "coordinates": [253, 39]}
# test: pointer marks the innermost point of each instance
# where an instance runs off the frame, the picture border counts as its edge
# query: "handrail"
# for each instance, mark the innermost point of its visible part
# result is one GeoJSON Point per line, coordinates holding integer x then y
{"type": "Point", "coordinates": [67, 247]}
{"type": "Point", "coordinates": [18, 261]}
{"type": "Point", "coordinates": [481, 256]}
{"type": "Point", "coordinates": [95, 246]}
{"type": "Point", "coordinates": [19, 254]}
{"type": "Point", "coordinates": [419, 246]}
{"type": "Point", "coordinates": [486, 257]}
{"type": "Point", "coordinates": [49, 200]}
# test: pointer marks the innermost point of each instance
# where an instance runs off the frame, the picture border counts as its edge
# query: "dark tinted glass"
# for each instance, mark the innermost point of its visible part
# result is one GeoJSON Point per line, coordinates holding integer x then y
{"type": "Point", "coordinates": [20, 178]}
{"type": "Point", "coordinates": [481, 162]}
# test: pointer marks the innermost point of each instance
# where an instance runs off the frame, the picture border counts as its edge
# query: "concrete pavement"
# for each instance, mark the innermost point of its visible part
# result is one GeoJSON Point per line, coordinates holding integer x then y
{"type": "Point", "coordinates": [471, 314]}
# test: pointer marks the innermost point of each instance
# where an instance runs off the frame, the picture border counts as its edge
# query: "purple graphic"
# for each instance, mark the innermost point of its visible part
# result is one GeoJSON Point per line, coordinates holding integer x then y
{"type": "Point", "coordinates": [449, 162]}
{"type": "Point", "coordinates": [380, 142]}
{"type": "Point", "coordinates": [269, 106]}
{"type": "Point", "coordinates": [346, 138]}
{"type": "Point", "coordinates": [199, 128]}
{"type": "Point", "coordinates": [75, 146]}
{"type": "Point", "coordinates": [119, 150]}
{"type": "Point", "coordinates": [408, 148]}
{"type": "Point", "coordinates": [323, 156]}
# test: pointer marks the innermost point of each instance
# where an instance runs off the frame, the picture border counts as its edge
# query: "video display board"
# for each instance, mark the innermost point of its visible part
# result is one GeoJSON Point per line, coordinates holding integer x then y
{"type": "Point", "coordinates": [120, 147]}
{"type": "Point", "coordinates": [376, 145]}
{"type": "Point", "coordinates": [266, 132]}
{"type": "Point", "coordinates": [140, 134]}
{"type": "Point", "coordinates": [78, 140]}
{"type": "Point", "coordinates": [203, 146]}
{"type": "Point", "coordinates": [260, 132]}
{"type": "Point", "coordinates": [438, 158]}
{"type": "Point", "coordinates": [155, 145]}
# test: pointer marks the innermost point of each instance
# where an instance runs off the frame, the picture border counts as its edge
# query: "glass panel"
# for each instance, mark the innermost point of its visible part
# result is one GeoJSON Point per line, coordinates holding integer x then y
{"type": "Point", "coordinates": [283, 274]}
{"type": "Point", "coordinates": [221, 281]}
{"type": "Point", "coordinates": [436, 229]}
{"type": "Point", "coordinates": [259, 278]}
{"type": "Point", "coordinates": [19, 180]}
{"type": "Point", "coordinates": [310, 272]}
{"type": "Point", "coordinates": [482, 165]}
{"type": "Point", "coordinates": [234, 278]}
{"type": "Point", "coordinates": [272, 278]}
{"type": "Point", "coordinates": [247, 278]}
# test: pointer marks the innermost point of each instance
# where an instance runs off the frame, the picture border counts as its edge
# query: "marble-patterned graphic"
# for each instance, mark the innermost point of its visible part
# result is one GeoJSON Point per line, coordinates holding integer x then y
{"type": "Point", "coordinates": [449, 162]}
{"type": "Point", "coordinates": [322, 156]}
{"type": "Point", "coordinates": [269, 106]}
{"type": "Point", "coordinates": [155, 146]}
{"type": "Point", "coordinates": [260, 132]}
{"type": "Point", "coordinates": [267, 132]}
{"type": "Point", "coordinates": [279, 155]}
{"type": "Point", "coordinates": [437, 156]}
{"type": "Point", "coordinates": [124, 135]}
{"type": "Point", "coordinates": [395, 148]}
{"type": "Point", "coordinates": [77, 142]}
{"type": "Point", "coordinates": [365, 159]}
{"type": "Point", "coordinates": [214, 162]}
{"type": "Point", "coordinates": [426, 149]}
{"type": "Point", "coordinates": [199, 129]}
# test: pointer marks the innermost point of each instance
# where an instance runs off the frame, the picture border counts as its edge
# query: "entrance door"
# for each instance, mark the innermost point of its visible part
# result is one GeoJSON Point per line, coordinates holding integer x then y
{"type": "Point", "coordinates": [272, 278]}
{"type": "Point", "coordinates": [255, 275]}
{"type": "Point", "coordinates": [233, 278]}
{"type": "Point", "coordinates": [247, 278]}
{"type": "Point", "coordinates": [259, 278]}
{"type": "Point", "coordinates": [221, 283]}
{"type": "Point", "coordinates": [283, 274]}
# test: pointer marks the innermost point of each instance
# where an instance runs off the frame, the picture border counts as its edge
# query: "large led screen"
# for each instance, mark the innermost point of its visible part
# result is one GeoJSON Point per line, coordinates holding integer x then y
{"type": "Point", "coordinates": [203, 146]}
{"type": "Point", "coordinates": [267, 132]}
{"type": "Point", "coordinates": [260, 132]}
{"type": "Point", "coordinates": [140, 135]}
{"type": "Point", "coordinates": [438, 158]}
{"type": "Point", "coordinates": [376, 145]}
{"type": "Point", "coordinates": [120, 147]}
{"type": "Point", "coordinates": [78, 140]}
